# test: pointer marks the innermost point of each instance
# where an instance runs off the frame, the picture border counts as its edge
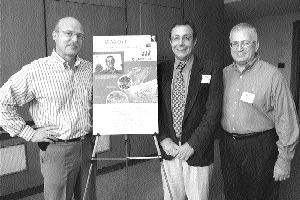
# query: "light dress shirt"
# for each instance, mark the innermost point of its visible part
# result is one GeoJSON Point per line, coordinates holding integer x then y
{"type": "Point", "coordinates": [57, 95]}
{"type": "Point", "coordinates": [258, 99]}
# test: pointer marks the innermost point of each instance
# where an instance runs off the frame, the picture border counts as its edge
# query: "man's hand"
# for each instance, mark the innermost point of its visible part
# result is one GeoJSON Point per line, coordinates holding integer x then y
{"type": "Point", "coordinates": [170, 147]}
{"type": "Point", "coordinates": [185, 152]}
{"type": "Point", "coordinates": [281, 174]}
{"type": "Point", "coordinates": [45, 134]}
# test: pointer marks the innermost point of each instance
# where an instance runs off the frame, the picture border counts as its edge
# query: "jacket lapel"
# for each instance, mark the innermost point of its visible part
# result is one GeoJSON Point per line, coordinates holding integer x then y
{"type": "Point", "coordinates": [194, 86]}
{"type": "Point", "coordinates": [166, 87]}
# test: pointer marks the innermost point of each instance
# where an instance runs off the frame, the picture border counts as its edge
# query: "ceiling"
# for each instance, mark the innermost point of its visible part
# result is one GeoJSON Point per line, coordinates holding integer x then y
{"type": "Point", "coordinates": [248, 9]}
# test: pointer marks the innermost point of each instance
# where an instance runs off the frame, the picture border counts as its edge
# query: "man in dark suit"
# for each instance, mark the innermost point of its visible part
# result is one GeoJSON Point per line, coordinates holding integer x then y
{"type": "Point", "coordinates": [190, 100]}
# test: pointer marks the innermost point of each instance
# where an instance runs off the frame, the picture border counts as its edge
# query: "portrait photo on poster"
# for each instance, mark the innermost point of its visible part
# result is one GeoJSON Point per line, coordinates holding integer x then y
{"type": "Point", "coordinates": [108, 63]}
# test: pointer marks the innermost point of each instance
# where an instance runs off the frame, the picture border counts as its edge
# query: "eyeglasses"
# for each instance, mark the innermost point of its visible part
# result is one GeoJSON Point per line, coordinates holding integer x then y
{"type": "Point", "coordinates": [185, 38]}
{"type": "Point", "coordinates": [245, 44]}
{"type": "Point", "coordinates": [70, 34]}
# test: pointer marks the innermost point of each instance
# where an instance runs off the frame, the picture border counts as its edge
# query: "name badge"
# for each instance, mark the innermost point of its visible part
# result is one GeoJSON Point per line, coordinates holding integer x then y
{"type": "Point", "coordinates": [247, 97]}
{"type": "Point", "coordinates": [206, 78]}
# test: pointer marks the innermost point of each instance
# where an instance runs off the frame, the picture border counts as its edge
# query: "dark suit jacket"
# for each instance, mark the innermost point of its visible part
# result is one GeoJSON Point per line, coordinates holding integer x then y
{"type": "Point", "coordinates": [202, 109]}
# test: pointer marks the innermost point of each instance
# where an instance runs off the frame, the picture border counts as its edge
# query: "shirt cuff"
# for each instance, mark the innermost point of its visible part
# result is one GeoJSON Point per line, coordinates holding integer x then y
{"type": "Point", "coordinates": [27, 133]}
{"type": "Point", "coordinates": [283, 164]}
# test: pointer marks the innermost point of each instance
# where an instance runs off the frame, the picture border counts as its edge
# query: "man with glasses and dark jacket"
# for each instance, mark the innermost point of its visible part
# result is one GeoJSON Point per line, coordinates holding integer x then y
{"type": "Point", "coordinates": [189, 106]}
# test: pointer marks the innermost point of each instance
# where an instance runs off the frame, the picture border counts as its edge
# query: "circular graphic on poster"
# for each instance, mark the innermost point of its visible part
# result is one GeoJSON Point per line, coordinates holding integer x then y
{"type": "Point", "coordinates": [116, 97]}
{"type": "Point", "coordinates": [124, 82]}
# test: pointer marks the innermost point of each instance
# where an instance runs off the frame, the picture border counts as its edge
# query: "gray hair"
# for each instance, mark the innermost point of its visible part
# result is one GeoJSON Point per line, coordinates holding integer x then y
{"type": "Point", "coordinates": [243, 26]}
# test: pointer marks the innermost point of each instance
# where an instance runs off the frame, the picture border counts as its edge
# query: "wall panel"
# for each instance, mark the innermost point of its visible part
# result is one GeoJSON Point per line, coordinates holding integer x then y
{"type": "Point", "coordinates": [22, 40]}
{"type": "Point", "coordinates": [209, 22]}
{"type": "Point", "coordinates": [155, 18]}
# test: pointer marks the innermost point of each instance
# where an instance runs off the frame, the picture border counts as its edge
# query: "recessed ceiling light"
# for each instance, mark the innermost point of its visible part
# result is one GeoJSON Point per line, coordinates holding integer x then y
{"type": "Point", "coordinates": [230, 1]}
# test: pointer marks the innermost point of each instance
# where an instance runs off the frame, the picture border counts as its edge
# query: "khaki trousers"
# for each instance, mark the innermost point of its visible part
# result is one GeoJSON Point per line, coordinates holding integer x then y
{"type": "Point", "coordinates": [186, 182]}
{"type": "Point", "coordinates": [65, 169]}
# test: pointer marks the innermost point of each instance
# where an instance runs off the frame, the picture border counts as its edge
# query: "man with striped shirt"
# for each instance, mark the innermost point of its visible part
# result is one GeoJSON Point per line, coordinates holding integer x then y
{"type": "Point", "coordinates": [58, 90]}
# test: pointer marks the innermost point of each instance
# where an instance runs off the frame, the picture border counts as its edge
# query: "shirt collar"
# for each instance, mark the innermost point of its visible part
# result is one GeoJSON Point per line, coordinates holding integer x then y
{"type": "Point", "coordinates": [65, 63]}
{"type": "Point", "coordinates": [188, 63]}
{"type": "Point", "coordinates": [249, 65]}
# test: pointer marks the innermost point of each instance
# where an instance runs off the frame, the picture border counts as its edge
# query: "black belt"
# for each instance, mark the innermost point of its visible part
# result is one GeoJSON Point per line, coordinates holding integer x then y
{"type": "Point", "coordinates": [238, 136]}
{"type": "Point", "coordinates": [43, 145]}
{"type": "Point", "coordinates": [74, 139]}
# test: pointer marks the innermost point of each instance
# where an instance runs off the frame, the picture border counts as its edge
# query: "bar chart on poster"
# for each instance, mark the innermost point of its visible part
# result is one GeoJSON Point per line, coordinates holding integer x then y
{"type": "Point", "coordinates": [124, 85]}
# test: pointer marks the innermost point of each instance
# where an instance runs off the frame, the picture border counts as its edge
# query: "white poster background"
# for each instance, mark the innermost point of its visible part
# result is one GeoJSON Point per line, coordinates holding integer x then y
{"type": "Point", "coordinates": [131, 117]}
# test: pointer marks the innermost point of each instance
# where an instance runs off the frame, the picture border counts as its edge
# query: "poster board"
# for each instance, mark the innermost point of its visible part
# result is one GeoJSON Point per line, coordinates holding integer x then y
{"type": "Point", "coordinates": [125, 85]}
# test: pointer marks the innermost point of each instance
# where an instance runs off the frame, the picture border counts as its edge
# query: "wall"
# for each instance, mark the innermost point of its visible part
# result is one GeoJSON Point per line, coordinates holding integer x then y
{"type": "Point", "coordinates": [275, 35]}
{"type": "Point", "coordinates": [208, 19]}
{"type": "Point", "coordinates": [21, 41]}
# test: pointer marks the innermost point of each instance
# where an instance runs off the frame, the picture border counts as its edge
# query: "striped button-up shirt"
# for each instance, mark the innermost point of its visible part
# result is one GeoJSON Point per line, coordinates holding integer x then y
{"type": "Point", "coordinates": [57, 95]}
{"type": "Point", "coordinates": [259, 99]}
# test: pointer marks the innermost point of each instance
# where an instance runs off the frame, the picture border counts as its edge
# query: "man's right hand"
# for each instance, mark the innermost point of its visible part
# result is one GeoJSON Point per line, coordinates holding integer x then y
{"type": "Point", "coordinates": [170, 147]}
{"type": "Point", "coordinates": [45, 134]}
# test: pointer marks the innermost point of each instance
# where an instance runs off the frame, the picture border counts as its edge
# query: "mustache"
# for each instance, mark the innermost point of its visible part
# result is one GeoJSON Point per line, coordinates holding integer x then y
{"type": "Point", "coordinates": [73, 45]}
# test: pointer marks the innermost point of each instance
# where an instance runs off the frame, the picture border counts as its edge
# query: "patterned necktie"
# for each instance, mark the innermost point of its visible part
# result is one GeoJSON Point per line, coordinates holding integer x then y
{"type": "Point", "coordinates": [178, 100]}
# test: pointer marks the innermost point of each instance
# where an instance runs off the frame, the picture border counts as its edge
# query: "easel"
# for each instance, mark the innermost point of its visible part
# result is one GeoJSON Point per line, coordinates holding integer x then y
{"type": "Point", "coordinates": [94, 159]}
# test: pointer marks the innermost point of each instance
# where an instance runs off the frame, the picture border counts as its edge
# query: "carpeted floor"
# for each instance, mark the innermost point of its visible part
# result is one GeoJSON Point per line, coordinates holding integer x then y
{"type": "Point", "coordinates": [144, 182]}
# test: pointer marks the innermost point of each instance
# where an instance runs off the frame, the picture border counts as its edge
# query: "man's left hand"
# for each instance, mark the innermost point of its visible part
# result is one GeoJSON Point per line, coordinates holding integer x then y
{"type": "Point", "coordinates": [185, 152]}
{"type": "Point", "coordinates": [281, 174]}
